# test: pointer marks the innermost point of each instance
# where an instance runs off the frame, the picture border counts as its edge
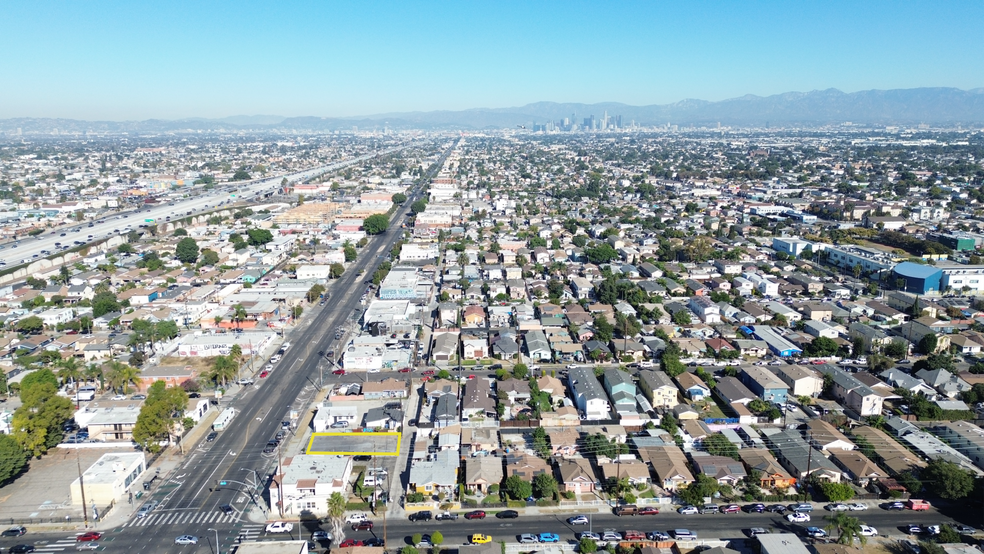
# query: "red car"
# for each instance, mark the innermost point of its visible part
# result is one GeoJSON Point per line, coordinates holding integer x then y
{"type": "Point", "coordinates": [264, 374]}
{"type": "Point", "coordinates": [648, 511]}
{"type": "Point", "coordinates": [818, 362]}
{"type": "Point", "coordinates": [338, 372]}
{"type": "Point", "coordinates": [428, 372]}
{"type": "Point", "coordinates": [350, 542]}
{"type": "Point", "coordinates": [362, 526]}
{"type": "Point", "coordinates": [477, 514]}
{"type": "Point", "coordinates": [731, 509]}
{"type": "Point", "coordinates": [90, 536]}
{"type": "Point", "coordinates": [406, 369]}
{"type": "Point", "coordinates": [470, 377]}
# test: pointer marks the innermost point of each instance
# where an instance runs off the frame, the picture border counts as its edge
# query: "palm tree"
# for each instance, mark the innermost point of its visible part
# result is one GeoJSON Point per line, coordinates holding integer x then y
{"type": "Point", "coordinates": [239, 314]}
{"type": "Point", "coordinates": [223, 369]}
{"type": "Point", "coordinates": [848, 528]}
{"type": "Point", "coordinates": [218, 320]}
{"type": "Point", "coordinates": [336, 509]}
{"type": "Point", "coordinates": [120, 375]}
{"type": "Point", "coordinates": [95, 373]}
{"type": "Point", "coordinates": [70, 369]}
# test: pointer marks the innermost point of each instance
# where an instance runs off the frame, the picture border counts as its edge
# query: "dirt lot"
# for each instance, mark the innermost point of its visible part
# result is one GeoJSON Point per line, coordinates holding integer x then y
{"type": "Point", "coordinates": [42, 492]}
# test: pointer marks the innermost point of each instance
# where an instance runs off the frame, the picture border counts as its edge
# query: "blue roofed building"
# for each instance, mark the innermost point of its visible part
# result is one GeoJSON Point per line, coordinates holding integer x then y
{"type": "Point", "coordinates": [778, 344]}
{"type": "Point", "coordinates": [919, 279]}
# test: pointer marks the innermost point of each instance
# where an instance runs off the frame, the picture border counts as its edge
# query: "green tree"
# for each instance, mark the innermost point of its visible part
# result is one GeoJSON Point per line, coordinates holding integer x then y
{"type": "Point", "coordinates": [13, 458]}
{"type": "Point", "coordinates": [125, 248]}
{"type": "Point", "coordinates": [335, 270]}
{"type": "Point", "coordinates": [517, 488]}
{"type": "Point", "coordinates": [350, 253]}
{"type": "Point", "coordinates": [896, 349]}
{"type": "Point", "coordinates": [702, 486]}
{"type": "Point", "coordinates": [837, 492]}
{"type": "Point", "coordinates": [544, 486]}
{"type": "Point", "coordinates": [947, 479]}
{"type": "Point", "coordinates": [541, 442]}
{"type": "Point", "coordinates": [375, 224]}
{"type": "Point", "coordinates": [315, 292]}
{"type": "Point", "coordinates": [399, 198]}
{"type": "Point", "coordinates": [671, 365]}
{"type": "Point", "coordinates": [241, 175]}
{"type": "Point", "coordinates": [259, 237]}
{"type": "Point", "coordinates": [30, 325]}
{"type": "Point", "coordinates": [37, 422]}
{"type": "Point", "coordinates": [437, 538]}
{"type": "Point", "coordinates": [928, 343]}
{"type": "Point", "coordinates": [418, 206]}
{"type": "Point", "coordinates": [681, 317]}
{"type": "Point", "coordinates": [209, 257]}
{"type": "Point", "coordinates": [719, 445]}
{"type": "Point", "coordinates": [179, 232]}
{"type": "Point", "coordinates": [587, 546]}
{"type": "Point", "coordinates": [601, 254]}
{"type": "Point", "coordinates": [120, 375]}
{"type": "Point", "coordinates": [948, 535]}
{"type": "Point", "coordinates": [821, 347]}
{"type": "Point", "coordinates": [104, 303]}
{"type": "Point", "coordinates": [603, 329]}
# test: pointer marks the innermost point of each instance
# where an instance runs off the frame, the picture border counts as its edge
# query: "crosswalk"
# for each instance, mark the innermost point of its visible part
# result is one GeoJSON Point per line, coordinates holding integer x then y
{"type": "Point", "coordinates": [250, 532]}
{"type": "Point", "coordinates": [56, 546]}
{"type": "Point", "coordinates": [183, 518]}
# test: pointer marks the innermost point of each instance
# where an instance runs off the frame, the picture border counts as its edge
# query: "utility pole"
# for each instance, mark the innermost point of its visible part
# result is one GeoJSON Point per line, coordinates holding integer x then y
{"type": "Point", "coordinates": [85, 514]}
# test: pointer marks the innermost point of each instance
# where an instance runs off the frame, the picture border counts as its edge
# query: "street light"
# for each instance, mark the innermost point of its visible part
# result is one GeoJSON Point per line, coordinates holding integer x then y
{"type": "Point", "coordinates": [216, 540]}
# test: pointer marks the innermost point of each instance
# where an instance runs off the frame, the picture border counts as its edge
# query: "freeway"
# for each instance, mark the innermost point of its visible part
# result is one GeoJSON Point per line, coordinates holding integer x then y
{"type": "Point", "coordinates": [190, 497]}
{"type": "Point", "coordinates": [30, 249]}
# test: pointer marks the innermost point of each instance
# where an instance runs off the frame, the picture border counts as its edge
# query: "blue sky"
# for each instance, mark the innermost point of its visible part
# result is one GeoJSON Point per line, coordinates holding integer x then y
{"type": "Point", "coordinates": [175, 59]}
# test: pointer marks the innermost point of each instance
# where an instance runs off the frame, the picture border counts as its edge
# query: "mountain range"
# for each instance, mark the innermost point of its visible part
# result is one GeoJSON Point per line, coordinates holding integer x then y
{"type": "Point", "coordinates": [934, 106]}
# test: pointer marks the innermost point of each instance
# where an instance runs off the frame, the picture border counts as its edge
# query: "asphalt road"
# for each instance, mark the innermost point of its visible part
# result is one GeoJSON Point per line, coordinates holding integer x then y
{"type": "Point", "coordinates": [29, 249]}
{"type": "Point", "coordinates": [160, 538]}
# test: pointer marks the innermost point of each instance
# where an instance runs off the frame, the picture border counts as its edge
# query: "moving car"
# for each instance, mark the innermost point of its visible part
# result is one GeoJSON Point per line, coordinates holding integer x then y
{"type": "Point", "coordinates": [14, 531]}
{"type": "Point", "coordinates": [362, 526]}
{"type": "Point", "coordinates": [338, 372]}
{"type": "Point", "coordinates": [21, 549]}
{"type": "Point", "coordinates": [578, 520]}
{"type": "Point", "coordinates": [798, 517]}
{"type": "Point", "coordinates": [279, 527]}
{"type": "Point", "coordinates": [186, 539]}
{"type": "Point", "coordinates": [211, 436]}
{"type": "Point", "coordinates": [89, 537]}
{"type": "Point", "coordinates": [86, 546]}
{"type": "Point", "coordinates": [226, 509]}
{"type": "Point", "coordinates": [815, 532]}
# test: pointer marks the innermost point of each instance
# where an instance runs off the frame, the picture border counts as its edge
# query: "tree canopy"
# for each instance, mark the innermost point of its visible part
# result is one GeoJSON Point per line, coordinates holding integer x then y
{"type": "Point", "coordinates": [186, 250]}
{"type": "Point", "coordinates": [375, 224]}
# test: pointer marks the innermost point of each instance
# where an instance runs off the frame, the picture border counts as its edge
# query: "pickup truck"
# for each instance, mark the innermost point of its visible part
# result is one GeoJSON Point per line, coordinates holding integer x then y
{"type": "Point", "coordinates": [917, 505]}
{"type": "Point", "coordinates": [446, 516]}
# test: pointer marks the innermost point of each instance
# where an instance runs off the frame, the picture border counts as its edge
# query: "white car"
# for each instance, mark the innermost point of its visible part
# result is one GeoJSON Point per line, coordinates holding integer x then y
{"type": "Point", "coordinates": [857, 507]}
{"type": "Point", "coordinates": [838, 507]}
{"type": "Point", "coordinates": [868, 531]}
{"type": "Point", "coordinates": [279, 527]}
{"type": "Point", "coordinates": [356, 518]}
{"type": "Point", "coordinates": [119, 397]}
{"type": "Point", "coordinates": [186, 539]}
{"type": "Point", "coordinates": [571, 366]}
{"type": "Point", "coordinates": [798, 517]}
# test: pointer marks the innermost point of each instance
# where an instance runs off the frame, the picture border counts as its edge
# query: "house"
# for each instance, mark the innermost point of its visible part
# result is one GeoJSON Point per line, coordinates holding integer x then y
{"type": "Point", "coordinates": [516, 390]}
{"type": "Point", "coordinates": [480, 441]}
{"type": "Point", "coordinates": [658, 388]}
{"type": "Point", "coordinates": [852, 393]}
{"type": "Point", "coordinates": [445, 347]}
{"type": "Point", "coordinates": [669, 464]}
{"type": "Point", "coordinates": [706, 309]}
{"type": "Point", "coordinates": [771, 473]}
{"type": "Point", "coordinates": [383, 418]}
{"type": "Point", "coordinates": [387, 388]}
{"type": "Point", "coordinates": [943, 381]}
{"type": "Point", "coordinates": [473, 348]}
{"type": "Point", "coordinates": [801, 380]}
{"type": "Point", "coordinates": [889, 453]}
{"type": "Point", "coordinates": [477, 400]}
{"type": "Point", "coordinates": [724, 470]}
{"type": "Point", "coordinates": [636, 473]}
{"type": "Point", "coordinates": [483, 471]}
{"type": "Point", "coordinates": [796, 455]}
{"type": "Point", "coordinates": [329, 413]}
{"type": "Point", "coordinates": [732, 391]}
{"type": "Point", "coordinates": [588, 394]}
{"type": "Point", "coordinates": [308, 481]}
{"type": "Point", "coordinates": [564, 441]}
{"type": "Point", "coordinates": [752, 348]}
{"type": "Point", "coordinates": [537, 347]}
{"type": "Point", "coordinates": [693, 386]}
{"type": "Point", "coordinates": [857, 467]}
{"type": "Point", "coordinates": [439, 475]}
{"type": "Point", "coordinates": [526, 466]}
{"type": "Point", "coordinates": [445, 411]}
{"type": "Point", "coordinates": [622, 391]}
{"type": "Point", "coordinates": [765, 384]}
{"type": "Point", "coordinates": [577, 475]}
{"type": "Point", "coordinates": [826, 437]}
{"type": "Point", "coordinates": [965, 437]}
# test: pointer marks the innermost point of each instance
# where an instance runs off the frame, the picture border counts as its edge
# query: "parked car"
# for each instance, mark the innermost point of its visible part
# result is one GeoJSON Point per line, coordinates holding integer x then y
{"type": "Point", "coordinates": [731, 509]}
{"type": "Point", "coordinates": [755, 508]}
{"type": "Point", "coordinates": [688, 510]}
{"type": "Point", "coordinates": [421, 516]}
{"type": "Point", "coordinates": [479, 538]}
{"type": "Point", "coordinates": [802, 507]}
{"type": "Point", "coordinates": [475, 514]}
{"type": "Point", "coordinates": [446, 516]}
{"type": "Point", "coordinates": [350, 542]}
{"type": "Point", "coordinates": [657, 536]}
{"type": "Point", "coordinates": [648, 511]}
{"type": "Point", "coordinates": [857, 507]}
{"type": "Point", "coordinates": [527, 538]}
{"type": "Point", "coordinates": [894, 506]}
{"type": "Point", "coordinates": [611, 536]}
{"type": "Point", "coordinates": [815, 532]}
{"type": "Point", "coordinates": [838, 507]}
{"type": "Point", "coordinates": [548, 537]}
{"type": "Point", "coordinates": [507, 514]}
{"type": "Point", "coordinates": [589, 535]}
{"type": "Point", "coordinates": [578, 520]}
{"type": "Point", "coordinates": [14, 531]}
{"type": "Point", "coordinates": [710, 509]}
{"type": "Point", "coordinates": [868, 531]}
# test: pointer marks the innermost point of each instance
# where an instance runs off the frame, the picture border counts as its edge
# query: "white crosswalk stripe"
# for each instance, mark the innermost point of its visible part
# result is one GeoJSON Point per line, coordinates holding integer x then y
{"type": "Point", "coordinates": [185, 518]}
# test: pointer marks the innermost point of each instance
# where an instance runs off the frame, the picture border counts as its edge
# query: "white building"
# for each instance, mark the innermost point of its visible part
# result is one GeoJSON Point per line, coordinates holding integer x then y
{"type": "Point", "coordinates": [418, 251]}
{"type": "Point", "coordinates": [251, 342]}
{"type": "Point", "coordinates": [305, 482]}
{"type": "Point", "coordinates": [313, 271]}
{"type": "Point", "coordinates": [109, 478]}
{"type": "Point", "coordinates": [958, 276]}
{"type": "Point", "coordinates": [705, 308]}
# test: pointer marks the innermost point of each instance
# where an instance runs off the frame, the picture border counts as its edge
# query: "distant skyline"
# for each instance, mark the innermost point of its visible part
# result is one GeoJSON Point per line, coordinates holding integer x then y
{"type": "Point", "coordinates": [107, 60]}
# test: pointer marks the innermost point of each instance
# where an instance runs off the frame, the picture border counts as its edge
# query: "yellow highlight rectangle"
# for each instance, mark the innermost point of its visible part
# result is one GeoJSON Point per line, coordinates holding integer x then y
{"type": "Point", "coordinates": [399, 437]}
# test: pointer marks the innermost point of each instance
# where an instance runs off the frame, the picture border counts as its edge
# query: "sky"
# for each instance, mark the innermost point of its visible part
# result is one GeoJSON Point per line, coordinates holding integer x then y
{"type": "Point", "coordinates": [134, 60]}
